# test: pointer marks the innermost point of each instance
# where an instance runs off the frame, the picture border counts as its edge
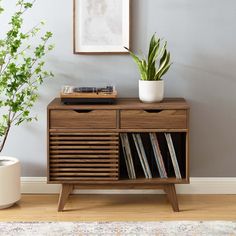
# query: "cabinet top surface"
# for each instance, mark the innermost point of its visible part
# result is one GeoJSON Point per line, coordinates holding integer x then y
{"type": "Point", "coordinates": [125, 103]}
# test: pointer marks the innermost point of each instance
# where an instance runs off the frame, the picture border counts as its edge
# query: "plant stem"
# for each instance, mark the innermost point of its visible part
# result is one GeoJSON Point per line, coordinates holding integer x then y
{"type": "Point", "coordinates": [5, 138]}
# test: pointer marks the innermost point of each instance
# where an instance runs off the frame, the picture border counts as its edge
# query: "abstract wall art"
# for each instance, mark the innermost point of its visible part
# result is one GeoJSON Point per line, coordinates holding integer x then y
{"type": "Point", "coordinates": [101, 26]}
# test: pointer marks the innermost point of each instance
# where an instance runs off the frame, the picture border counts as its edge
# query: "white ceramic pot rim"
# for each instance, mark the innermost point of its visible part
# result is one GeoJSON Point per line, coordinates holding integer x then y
{"type": "Point", "coordinates": [160, 80]}
{"type": "Point", "coordinates": [9, 161]}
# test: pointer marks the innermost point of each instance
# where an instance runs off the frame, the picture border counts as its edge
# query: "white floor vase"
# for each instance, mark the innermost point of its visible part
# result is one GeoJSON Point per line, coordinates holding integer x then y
{"type": "Point", "coordinates": [9, 181]}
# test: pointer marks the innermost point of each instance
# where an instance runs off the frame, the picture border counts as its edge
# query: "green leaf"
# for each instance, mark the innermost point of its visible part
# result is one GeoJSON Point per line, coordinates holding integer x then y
{"type": "Point", "coordinates": [1, 10]}
{"type": "Point", "coordinates": [154, 54]}
{"type": "Point", "coordinates": [27, 5]}
{"type": "Point", "coordinates": [139, 64]}
{"type": "Point", "coordinates": [165, 61]}
{"type": "Point", "coordinates": [152, 71]}
{"type": "Point", "coordinates": [163, 58]}
{"type": "Point", "coordinates": [164, 70]}
{"type": "Point", "coordinates": [2, 42]}
{"type": "Point", "coordinates": [47, 36]}
{"type": "Point", "coordinates": [51, 47]}
{"type": "Point", "coordinates": [152, 44]}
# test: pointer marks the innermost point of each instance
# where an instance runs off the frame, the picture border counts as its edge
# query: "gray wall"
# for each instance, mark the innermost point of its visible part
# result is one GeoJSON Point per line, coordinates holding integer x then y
{"type": "Point", "coordinates": [201, 36]}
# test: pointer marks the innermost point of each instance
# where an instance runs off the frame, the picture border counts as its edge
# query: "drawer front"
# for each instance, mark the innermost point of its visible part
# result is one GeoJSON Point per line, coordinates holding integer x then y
{"type": "Point", "coordinates": [153, 119]}
{"type": "Point", "coordinates": [83, 119]}
{"type": "Point", "coordinates": [83, 156]}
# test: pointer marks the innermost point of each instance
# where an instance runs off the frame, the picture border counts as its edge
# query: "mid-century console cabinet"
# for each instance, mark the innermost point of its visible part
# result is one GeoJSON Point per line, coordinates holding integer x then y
{"type": "Point", "coordinates": [84, 148]}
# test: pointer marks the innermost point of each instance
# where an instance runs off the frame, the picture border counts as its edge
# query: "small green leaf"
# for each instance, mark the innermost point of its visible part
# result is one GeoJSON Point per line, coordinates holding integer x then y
{"type": "Point", "coordinates": [164, 70]}
{"type": "Point", "coordinates": [27, 5]}
{"type": "Point", "coordinates": [1, 10]}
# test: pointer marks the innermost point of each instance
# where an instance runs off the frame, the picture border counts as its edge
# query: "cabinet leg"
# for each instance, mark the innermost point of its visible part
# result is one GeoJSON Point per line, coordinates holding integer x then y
{"type": "Point", "coordinates": [66, 189]}
{"type": "Point", "coordinates": [172, 197]}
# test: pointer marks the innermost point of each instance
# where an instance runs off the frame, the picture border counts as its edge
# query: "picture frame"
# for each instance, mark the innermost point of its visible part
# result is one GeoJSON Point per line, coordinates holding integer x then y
{"type": "Point", "coordinates": [101, 26]}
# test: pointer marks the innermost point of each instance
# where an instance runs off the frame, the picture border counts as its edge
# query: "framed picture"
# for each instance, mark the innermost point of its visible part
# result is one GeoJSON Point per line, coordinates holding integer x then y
{"type": "Point", "coordinates": [101, 26]}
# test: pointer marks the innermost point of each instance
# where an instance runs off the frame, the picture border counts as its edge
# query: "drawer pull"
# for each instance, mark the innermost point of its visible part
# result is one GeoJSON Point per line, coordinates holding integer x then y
{"type": "Point", "coordinates": [153, 111]}
{"type": "Point", "coordinates": [83, 111]}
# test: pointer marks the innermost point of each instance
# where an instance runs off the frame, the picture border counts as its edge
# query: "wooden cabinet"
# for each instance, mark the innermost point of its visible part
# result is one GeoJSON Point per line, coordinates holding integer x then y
{"type": "Point", "coordinates": [84, 149]}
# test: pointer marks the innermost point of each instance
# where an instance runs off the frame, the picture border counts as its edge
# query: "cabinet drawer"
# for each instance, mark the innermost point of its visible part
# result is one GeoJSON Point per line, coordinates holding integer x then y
{"type": "Point", "coordinates": [153, 119]}
{"type": "Point", "coordinates": [83, 119]}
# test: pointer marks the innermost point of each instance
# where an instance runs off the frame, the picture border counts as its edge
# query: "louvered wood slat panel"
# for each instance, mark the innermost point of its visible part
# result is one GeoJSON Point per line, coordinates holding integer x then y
{"type": "Point", "coordinates": [83, 156]}
{"type": "Point", "coordinates": [84, 135]}
{"type": "Point", "coordinates": [84, 142]}
{"type": "Point", "coordinates": [83, 151]}
{"type": "Point", "coordinates": [91, 169]}
{"type": "Point", "coordinates": [84, 160]}
{"type": "Point", "coordinates": [83, 165]}
{"type": "Point", "coordinates": [74, 178]}
{"type": "Point", "coordinates": [71, 147]}
{"type": "Point", "coordinates": [84, 138]}
{"type": "Point", "coordinates": [83, 174]}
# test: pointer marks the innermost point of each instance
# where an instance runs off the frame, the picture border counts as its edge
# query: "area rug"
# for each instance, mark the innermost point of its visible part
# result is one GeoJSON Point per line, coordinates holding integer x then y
{"type": "Point", "coordinates": [165, 228]}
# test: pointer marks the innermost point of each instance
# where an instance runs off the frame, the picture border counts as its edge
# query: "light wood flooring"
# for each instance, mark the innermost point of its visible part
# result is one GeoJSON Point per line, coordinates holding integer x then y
{"type": "Point", "coordinates": [121, 208]}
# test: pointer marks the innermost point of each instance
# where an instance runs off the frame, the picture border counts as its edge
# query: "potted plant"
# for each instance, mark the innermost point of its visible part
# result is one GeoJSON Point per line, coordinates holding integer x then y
{"type": "Point", "coordinates": [21, 73]}
{"type": "Point", "coordinates": [152, 69]}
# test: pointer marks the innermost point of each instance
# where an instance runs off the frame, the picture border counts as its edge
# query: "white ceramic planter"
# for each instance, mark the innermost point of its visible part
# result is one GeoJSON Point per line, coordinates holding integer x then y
{"type": "Point", "coordinates": [9, 181]}
{"type": "Point", "coordinates": [151, 90]}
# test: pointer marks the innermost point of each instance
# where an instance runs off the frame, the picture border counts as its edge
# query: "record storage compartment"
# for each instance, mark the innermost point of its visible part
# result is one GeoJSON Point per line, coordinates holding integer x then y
{"type": "Point", "coordinates": [179, 142]}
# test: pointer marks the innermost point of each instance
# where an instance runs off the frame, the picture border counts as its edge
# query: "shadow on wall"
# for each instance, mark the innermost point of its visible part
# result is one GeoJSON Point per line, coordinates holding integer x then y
{"type": "Point", "coordinates": [33, 168]}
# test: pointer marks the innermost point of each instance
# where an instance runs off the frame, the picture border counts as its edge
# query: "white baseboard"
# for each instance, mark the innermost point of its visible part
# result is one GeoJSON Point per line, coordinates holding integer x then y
{"type": "Point", "coordinates": [38, 185]}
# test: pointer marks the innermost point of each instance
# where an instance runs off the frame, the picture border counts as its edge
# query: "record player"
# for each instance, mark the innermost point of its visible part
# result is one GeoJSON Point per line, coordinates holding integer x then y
{"type": "Point", "coordinates": [88, 95]}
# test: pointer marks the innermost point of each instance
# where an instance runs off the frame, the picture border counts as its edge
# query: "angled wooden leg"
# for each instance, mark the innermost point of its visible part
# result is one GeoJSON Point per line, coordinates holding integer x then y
{"type": "Point", "coordinates": [172, 197]}
{"type": "Point", "coordinates": [66, 189]}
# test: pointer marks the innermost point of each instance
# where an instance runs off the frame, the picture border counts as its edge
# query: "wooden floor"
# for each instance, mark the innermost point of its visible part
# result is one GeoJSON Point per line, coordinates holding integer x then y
{"type": "Point", "coordinates": [121, 208]}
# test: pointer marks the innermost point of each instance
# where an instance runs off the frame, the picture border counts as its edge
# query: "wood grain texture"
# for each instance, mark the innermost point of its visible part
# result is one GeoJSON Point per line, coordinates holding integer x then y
{"type": "Point", "coordinates": [87, 160]}
{"type": "Point", "coordinates": [121, 207]}
{"type": "Point", "coordinates": [160, 119]}
{"type": "Point", "coordinates": [171, 195]}
{"type": "Point", "coordinates": [67, 160]}
{"type": "Point", "coordinates": [66, 190]}
{"type": "Point", "coordinates": [140, 183]}
{"type": "Point", "coordinates": [53, 165]}
{"type": "Point", "coordinates": [93, 119]}
{"type": "Point", "coordinates": [125, 104]}
{"type": "Point", "coordinates": [78, 179]}
{"type": "Point", "coordinates": [117, 130]}
{"type": "Point", "coordinates": [62, 136]}
{"type": "Point", "coordinates": [89, 95]}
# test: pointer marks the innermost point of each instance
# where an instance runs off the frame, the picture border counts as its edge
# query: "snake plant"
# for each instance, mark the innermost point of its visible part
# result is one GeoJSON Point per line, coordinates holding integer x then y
{"type": "Point", "coordinates": [157, 63]}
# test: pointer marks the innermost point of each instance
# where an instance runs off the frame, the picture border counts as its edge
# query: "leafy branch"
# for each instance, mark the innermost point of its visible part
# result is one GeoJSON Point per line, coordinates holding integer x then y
{"type": "Point", "coordinates": [21, 70]}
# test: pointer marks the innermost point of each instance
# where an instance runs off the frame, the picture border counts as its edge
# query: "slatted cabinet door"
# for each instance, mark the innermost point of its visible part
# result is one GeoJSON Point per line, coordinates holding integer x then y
{"type": "Point", "coordinates": [83, 156]}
